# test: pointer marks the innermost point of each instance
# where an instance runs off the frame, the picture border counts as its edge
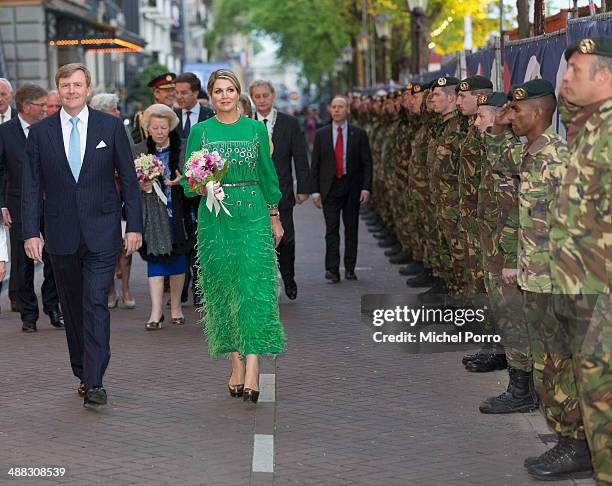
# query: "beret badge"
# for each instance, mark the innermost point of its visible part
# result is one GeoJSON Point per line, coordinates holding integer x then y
{"type": "Point", "coordinates": [587, 46]}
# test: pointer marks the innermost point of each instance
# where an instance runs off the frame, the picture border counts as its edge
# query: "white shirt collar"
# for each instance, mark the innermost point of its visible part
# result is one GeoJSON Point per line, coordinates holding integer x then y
{"type": "Point", "coordinates": [83, 116]}
{"type": "Point", "coordinates": [24, 125]}
{"type": "Point", "coordinates": [7, 114]}
{"type": "Point", "coordinates": [195, 109]}
{"type": "Point", "coordinates": [271, 115]}
{"type": "Point", "coordinates": [343, 126]}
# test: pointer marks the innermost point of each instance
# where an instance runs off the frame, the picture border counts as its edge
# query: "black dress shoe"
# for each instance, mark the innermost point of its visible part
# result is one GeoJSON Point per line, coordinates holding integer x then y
{"type": "Point", "coordinates": [15, 307]}
{"type": "Point", "coordinates": [487, 362]}
{"type": "Point", "coordinates": [402, 258]}
{"type": "Point", "coordinates": [350, 275]}
{"type": "Point", "coordinates": [394, 250]}
{"type": "Point", "coordinates": [569, 459]}
{"type": "Point", "coordinates": [291, 289]}
{"type": "Point", "coordinates": [56, 318]}
{"type": "Point", "coordinates": [387, 242]}
{"type": "Point", "coordinates": [28, 326]}
{"type": "Point", "coordinates": [413, 268]}
{"type": "Point", "coordinates": [334, 277]}
{"type": "Point", "coordinates": [95, 397]}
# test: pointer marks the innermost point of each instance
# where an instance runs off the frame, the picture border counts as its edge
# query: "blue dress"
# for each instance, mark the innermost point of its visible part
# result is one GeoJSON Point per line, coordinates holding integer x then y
{"type": "Point", "coordinates": [178, 266]}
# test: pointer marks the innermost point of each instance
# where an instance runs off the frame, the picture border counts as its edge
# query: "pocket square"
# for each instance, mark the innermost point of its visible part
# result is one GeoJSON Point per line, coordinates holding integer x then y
{"type": "Point", "coordinates": [101, 144]}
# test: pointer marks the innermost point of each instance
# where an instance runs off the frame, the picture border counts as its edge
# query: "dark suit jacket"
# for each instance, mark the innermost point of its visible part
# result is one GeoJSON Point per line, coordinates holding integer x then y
{"type": "Point", "coordinates": [89, 210]}
{"type": "Point", "coordinates": [358, 160]}
{"type": "Point", "coordinates": [205, 114]}
{"type": "Point", "coordinates": [12, 160]}
{"type": "Point", "coordinates": [289, 144]}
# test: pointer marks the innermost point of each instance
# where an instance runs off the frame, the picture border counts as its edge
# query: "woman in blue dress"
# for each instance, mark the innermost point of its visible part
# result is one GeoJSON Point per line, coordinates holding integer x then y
{"type": "Point", "coordinates": [169, 229]}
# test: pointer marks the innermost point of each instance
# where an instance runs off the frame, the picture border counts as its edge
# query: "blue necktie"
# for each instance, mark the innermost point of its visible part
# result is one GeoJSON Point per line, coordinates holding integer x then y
{"type": "Point", "coordinates": [74, 149]}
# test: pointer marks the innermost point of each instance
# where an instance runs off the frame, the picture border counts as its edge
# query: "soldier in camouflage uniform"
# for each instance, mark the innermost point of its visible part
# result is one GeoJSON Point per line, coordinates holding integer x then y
{"type": "Point", "coordinates": [426, 127]}
{"type": "Point", "coordinates": [581, 240]}
{"type": "Point", "coordinates": [404, 202]}
{"type": "Point", "coordinates": [444, 163]}
{"type": "Point", "coordinates": [470, 161]}
{"type": "Point", "coordinates": [540, 165]}
{"type": "Point", "coordinates": [376, 133]}
{"type": "Point", "coordinates": [498, 216]}
{"type": "Point", "coordinates": [164, 92]}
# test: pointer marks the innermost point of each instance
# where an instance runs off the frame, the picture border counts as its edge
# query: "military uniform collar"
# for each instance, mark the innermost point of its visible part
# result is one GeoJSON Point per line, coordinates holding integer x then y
{"type": "Point", "coordinates": [540, 142]}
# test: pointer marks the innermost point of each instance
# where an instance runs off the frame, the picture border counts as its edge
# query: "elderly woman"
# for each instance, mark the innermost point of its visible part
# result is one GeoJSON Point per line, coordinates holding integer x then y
{"type": "Point", "coordinates": [109, 103]}
{"type": "Point", "coordinates": [244, 106]}
{"type": "Point", "coordinates": [164, 142]}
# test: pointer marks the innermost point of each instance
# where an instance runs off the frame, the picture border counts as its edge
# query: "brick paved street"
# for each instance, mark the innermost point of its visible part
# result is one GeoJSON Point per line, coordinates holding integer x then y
{"type": "Point", "coordinates": [346, 412]}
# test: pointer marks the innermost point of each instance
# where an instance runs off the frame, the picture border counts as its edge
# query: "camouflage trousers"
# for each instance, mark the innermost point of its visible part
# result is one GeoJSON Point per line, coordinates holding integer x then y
{"type": "Point", "coordinates": [452, 254]}
{"type": "Point", "coordinates": [508, 320]}
{"type": "Point", "coordinates": [473, 269]}
{"type": "Point", "coordinates": [417, 233]}
{"type": "Point", "coordinates": [553, 366]}
{"type": "Point", "coordinates": [588, 316]}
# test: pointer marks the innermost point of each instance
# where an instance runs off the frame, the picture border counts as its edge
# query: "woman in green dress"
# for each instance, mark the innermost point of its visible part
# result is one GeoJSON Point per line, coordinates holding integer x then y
{"type": "Point", "coordinates": [237, 260]}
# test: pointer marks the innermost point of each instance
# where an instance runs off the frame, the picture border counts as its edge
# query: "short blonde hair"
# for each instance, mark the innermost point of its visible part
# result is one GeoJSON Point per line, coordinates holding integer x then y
{"type": "Point", "coordinates": [159, 111]}
{"type": "Point", "coordinates": [223, 74]}
{"type": "Point", "coordinates": [68, 70]}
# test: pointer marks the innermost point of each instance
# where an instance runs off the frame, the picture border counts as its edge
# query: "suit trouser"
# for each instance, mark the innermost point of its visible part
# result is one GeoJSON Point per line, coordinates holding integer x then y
{"type": "Point", "coordinates": [286, 248]}
{"type": "Point", "coordinates": [83, 280]}
{"type": "Point", "coordinates": [341, 201]}
{"type": "Point", "coordinates": [24, 279]}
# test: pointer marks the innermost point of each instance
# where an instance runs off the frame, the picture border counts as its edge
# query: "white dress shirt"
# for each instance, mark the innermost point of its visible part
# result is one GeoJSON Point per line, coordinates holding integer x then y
{"type": "Point", "coordinates": [271, 120]}
{"type": "Point", "coordinates": [81, 125]}
{"type": "Point", "coordinates": [25, 126]}
{"type": "Point", "coordinates": [6, 115]}
{"type": "Point", "coordinates": [194, 116]}
{"type": "Point", "coordinates": [4, 257]}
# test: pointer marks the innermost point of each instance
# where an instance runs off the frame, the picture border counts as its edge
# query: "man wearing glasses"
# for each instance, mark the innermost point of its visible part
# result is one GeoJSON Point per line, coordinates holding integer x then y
{"type": "Point", "coordinates": [31, 101]}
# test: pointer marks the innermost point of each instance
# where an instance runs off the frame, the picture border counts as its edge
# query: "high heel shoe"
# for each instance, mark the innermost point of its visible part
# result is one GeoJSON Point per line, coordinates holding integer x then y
{"type": "Point", "coordinates": [250, 395]}
{"type": "Point", "coordinates": [154, 326]}
{"type": "Point", "coordinates": [236, 390]}
{"type": "Point", "coordinates": [113, 303]}
{"type": "Point", "coordinates": [126, 304]}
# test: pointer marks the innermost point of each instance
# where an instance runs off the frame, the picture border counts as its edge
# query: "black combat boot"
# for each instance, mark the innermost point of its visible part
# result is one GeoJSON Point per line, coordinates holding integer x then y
{"type": "Point", "coordinates": [387, 242]}
{"type": "Point", "coordinates": [381, 235]}
{"type": "Point", "coordinates": [413, 268]}
{"type": "Point", "coordinates": [423, 279]}
{"type": "Point", "coordinates": [402, 258]}
{"type": "Point", "coordinates": [488, 362]}
{"type": "Point", "coordinates": [394, 250]}
{"type": "Point", "coordinates": [519, 397]}
{"type": "Point", "coordinates": [569, 459]}
{"type": "Point", "coordinates": [435, 296]}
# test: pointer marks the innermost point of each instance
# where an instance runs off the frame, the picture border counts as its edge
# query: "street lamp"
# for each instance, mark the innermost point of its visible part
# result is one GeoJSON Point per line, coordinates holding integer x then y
{"type": "Point", "coordinates": [418, 9]}
{"type": "Point", "coordinates": [347, 57]}
{"type": "Point", "coordinates": [382, 23]}
{"type": "Point", "coordinates": [363, 42]}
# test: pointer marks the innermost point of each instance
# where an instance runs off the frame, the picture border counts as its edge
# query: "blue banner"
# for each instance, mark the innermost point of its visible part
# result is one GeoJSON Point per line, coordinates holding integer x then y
{"type": "Point", "coordinates": [481, 62]}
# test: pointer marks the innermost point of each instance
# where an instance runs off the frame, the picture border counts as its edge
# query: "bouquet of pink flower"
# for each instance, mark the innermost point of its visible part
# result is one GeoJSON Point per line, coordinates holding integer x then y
{"type": "Point", "coordinates": [202, 170]}
{"type": "Point", "coordinates": [148, 168]}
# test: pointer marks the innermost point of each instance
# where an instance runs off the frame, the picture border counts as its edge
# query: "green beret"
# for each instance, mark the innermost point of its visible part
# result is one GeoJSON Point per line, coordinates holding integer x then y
{"type": "Point", "coordinates": [497, 98]}
{"type": "Point", "coordinates": [536, 88]}
{"type": "Point", "coordinates": [473, 83]}
{"type": "Point", "coordinates": [419, 87]}
{"type": "Point", "coordinates": [445, 81]}
{"type": "Point", "coordinates": [599, 46]}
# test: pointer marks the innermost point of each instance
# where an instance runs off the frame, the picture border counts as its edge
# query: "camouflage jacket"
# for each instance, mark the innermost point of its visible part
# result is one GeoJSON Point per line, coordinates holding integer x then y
{"type": "Point", "coordinates": [540, 167]}
{"type": "Point", "coordinates": [470, 161]}
{"type": "Point", "coordinates": [498, 206]}
{"type": "Point", "coordinates": [581, 220]}
{"type": "Point", "coordinates": [418, 158]}
{"type": "Point", "coordinates": [445, 170]}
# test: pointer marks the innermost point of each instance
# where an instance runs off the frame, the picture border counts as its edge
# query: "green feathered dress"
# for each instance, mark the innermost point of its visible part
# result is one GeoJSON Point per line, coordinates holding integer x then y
{"type": "Point", "coordinates": [236, 255]}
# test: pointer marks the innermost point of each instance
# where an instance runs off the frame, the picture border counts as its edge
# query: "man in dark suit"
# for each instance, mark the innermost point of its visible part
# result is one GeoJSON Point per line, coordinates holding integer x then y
{"type": "Point", "coordinates": [190, 112]}
{"type": "Point", "coordinates": [7, 113]}
{"type": "Point", "coordinates": [288, 145]}
{"type": "Point", "coordinates": [72, 157]}
{"type": "Point", "coordinates": [342, 180]}
{"type": "Point", "coordinates": [31, 104]}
